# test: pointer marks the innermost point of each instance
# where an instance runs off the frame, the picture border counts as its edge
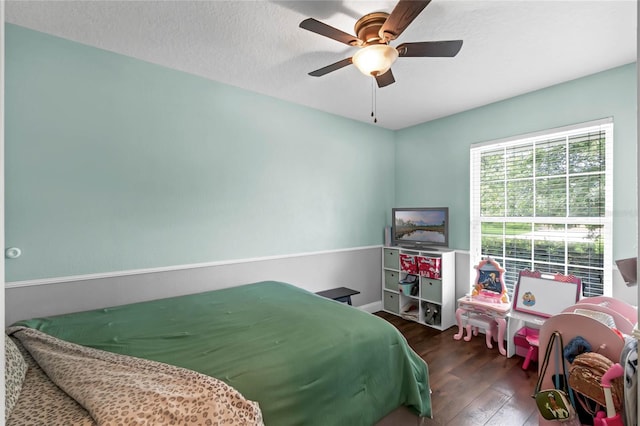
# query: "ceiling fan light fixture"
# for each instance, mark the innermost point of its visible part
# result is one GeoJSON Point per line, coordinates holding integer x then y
{"type": "Point", "coordinates": [375, 59]}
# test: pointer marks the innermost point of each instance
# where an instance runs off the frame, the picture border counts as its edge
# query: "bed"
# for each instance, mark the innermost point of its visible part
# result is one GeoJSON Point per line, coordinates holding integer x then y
{"type": "Point", "coordinates": [304, 359]}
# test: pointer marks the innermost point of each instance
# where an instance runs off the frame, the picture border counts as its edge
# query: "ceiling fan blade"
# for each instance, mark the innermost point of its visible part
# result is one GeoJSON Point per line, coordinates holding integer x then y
{"type": "Point", "coordinates": [329, 68]}
{"type": "Point", "coordinates": [385, 79]}
{"type": "Point", "coordinates": [323, 29]}
{"type": "Point", "coordinates": [402, 15]}
{"type": "Point", "coordinates": [432, 49]}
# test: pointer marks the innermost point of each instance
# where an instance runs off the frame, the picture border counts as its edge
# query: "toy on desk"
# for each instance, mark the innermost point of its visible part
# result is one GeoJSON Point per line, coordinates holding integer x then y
{"type": "Point", "coordinates": [489, 285]}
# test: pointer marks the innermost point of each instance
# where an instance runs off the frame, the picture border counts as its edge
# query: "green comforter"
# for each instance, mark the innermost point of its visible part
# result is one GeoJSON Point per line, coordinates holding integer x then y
{"type": "Point", "coordinates": [307, 360]}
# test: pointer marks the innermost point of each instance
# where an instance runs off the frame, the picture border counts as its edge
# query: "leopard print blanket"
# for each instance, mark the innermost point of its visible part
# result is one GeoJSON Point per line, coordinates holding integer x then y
{"type": "Point", "coordinates": [109, 389]}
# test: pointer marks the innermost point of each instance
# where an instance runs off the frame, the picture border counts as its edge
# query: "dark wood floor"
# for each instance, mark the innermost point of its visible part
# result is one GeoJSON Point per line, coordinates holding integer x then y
{"type": "Point", "coordinates": [471, 384]}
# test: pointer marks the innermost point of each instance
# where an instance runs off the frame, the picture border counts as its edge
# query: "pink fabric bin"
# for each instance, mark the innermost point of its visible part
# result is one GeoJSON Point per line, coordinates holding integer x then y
{"type": "Point", "coordinates": [526, 341]}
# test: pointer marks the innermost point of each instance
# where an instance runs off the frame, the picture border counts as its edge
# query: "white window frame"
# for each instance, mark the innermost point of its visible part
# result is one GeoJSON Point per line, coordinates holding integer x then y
{"type": "Point", "coordinates": [476, 150]}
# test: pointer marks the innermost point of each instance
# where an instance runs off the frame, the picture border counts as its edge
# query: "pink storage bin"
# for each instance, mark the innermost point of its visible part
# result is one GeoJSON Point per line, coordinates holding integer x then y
{"type": "Point", "coordinates": [526, 341]}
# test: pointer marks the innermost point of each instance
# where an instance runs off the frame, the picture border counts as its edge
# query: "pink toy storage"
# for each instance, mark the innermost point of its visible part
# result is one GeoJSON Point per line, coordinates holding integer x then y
{"type": "Point", "coordinates": [604, 339]}
{"type": "Point", "coordinates": [526, 342]}
{"type": "Point", "coordinates": [624, 315]}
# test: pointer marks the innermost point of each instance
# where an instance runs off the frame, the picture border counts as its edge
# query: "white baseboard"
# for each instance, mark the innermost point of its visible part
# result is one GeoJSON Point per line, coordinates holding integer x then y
{"type": "Point", "coordinates": [371, 307]}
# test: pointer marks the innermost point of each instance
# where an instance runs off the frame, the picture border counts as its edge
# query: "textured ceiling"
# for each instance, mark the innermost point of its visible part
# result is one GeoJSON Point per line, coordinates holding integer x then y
{"type": "Point", "coordinates": [510, 47]}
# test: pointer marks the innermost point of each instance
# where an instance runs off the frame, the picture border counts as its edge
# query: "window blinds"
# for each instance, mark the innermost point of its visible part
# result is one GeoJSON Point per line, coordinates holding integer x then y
{"type": "Point", "coordinates": [544, 202]}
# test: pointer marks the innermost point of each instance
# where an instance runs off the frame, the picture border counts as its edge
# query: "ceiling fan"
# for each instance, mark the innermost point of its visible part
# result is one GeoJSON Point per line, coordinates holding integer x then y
{"type": "Point", "coordinates": [374, 32]}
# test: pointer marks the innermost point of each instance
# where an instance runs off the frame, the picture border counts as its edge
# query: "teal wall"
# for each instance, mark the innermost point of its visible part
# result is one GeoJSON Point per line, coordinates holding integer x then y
{"type": "Point", "coordinates": [115, 164]}
{"type": "Point", "coordinates": [432, 159]}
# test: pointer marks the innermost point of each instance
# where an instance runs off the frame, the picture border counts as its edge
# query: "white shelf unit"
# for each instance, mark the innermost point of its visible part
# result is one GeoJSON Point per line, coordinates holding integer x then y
{"type": "Point", "coordinates": [431, 292]}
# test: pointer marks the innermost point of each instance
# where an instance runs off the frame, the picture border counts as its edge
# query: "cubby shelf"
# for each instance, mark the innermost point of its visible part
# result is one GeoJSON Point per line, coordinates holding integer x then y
{"type": "Point", "coordinates": [432, 296]}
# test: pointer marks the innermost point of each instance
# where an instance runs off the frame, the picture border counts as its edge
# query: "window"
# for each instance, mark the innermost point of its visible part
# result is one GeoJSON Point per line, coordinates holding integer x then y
{"type": "Point", "coordinates": [544, 202]}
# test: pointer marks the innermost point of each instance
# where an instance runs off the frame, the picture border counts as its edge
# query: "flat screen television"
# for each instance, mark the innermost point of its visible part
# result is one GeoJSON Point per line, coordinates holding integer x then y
{"type": "Point", "coordinates": [420, 227]}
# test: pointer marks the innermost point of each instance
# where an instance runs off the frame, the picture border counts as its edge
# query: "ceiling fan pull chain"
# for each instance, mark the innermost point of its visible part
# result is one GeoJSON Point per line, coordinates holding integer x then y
{"type": "Point", "coordinates": [372, 114]}
{"type": "Point", "coordinates": [373, 101]}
